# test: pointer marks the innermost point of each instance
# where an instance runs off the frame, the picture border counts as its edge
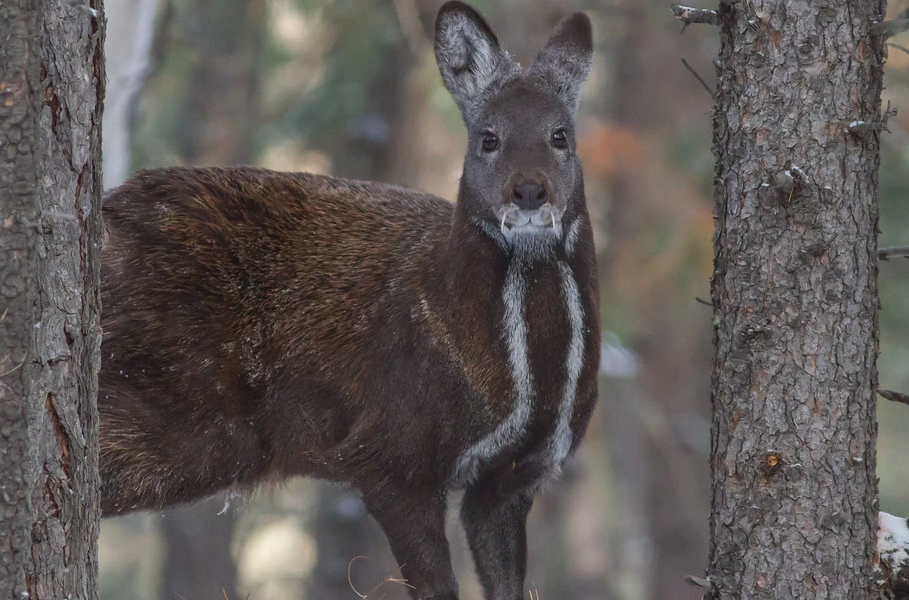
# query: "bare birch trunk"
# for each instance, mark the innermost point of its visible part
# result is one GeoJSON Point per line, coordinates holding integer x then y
{"type": "Point", "coordinates": [128, 46]}
{"type": "Point", "coordinates": [796, 134]}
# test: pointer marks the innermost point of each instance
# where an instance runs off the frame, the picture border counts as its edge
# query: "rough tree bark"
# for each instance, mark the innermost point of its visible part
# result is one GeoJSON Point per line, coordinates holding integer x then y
{"type": "Point", "coordinates": [796, 134]}
{"type": "Point", "coordinates": [51, 91]}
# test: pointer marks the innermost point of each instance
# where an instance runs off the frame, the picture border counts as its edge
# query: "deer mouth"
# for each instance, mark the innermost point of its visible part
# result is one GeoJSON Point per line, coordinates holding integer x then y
{"type": "Point", "coordinates": [546, 220]}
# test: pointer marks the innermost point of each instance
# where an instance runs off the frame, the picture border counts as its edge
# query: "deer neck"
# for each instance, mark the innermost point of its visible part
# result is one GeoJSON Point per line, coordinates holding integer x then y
{"type": "Point", "coordinates": [514, 324]}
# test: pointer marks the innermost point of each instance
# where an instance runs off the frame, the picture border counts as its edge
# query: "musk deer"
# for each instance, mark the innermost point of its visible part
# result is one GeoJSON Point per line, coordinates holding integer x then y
{"type": "Point", "coordinates": [260, 325]}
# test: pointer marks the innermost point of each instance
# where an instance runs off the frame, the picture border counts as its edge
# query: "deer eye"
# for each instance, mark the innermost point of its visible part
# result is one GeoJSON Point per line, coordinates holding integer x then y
{"type": "Point", "coordinates": [559, 138]}
{"type": "Point", "coordinates": [490, 142]}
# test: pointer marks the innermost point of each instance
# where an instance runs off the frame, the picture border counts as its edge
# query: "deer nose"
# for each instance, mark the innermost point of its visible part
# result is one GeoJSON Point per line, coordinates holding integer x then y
{"type": "Point", "coordinates": [529, 196]}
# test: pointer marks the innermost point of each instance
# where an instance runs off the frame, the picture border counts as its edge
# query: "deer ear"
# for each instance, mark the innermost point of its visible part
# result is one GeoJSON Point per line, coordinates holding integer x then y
{"type": "Point", "coordinates": [472, 64]}
{"type": "Point", "coordinates": [564, 63]}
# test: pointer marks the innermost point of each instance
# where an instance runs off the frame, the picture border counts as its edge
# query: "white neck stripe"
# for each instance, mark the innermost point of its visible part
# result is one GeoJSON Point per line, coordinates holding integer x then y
{"type": "Point", "coordinates": [572, 237]}
{"type": "Point", "coordinates": [560, 444]}
{"type": "Point", "coordinates": [512, 428]}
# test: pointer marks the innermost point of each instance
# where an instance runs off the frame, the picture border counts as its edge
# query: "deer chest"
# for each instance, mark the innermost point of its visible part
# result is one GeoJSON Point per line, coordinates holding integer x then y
{"type": "Point", "coordinates": [543, 325]}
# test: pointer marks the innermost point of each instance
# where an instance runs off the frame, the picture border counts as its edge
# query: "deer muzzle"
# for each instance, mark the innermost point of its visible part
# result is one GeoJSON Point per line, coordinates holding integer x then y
{"type": "Point", "coordinates": [545, 220]}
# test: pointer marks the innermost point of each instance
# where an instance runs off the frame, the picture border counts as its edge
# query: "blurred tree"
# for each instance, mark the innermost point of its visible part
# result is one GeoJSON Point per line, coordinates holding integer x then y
{"type": "Point", "coordinates": [369, 147]}
{"type": "Point", "coordinates": [51, 87]}
{"type": "Point", "coordinates": [655, 264]}
{"type": "Point", "coordinates": [197, 561]}
{"type": "Point", "coordinates": [796, 137]}
{"type": "Point", "coordinates": [131, 27]}
{"type": "Point", "coordinates": [220, 122]}
{"type": "Point", "coordinates": [217, 126]}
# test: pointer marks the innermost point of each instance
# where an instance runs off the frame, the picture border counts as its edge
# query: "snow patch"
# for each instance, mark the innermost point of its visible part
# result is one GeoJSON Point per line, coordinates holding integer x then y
{"type": "Point", "coordinates": [893, 540]}
{"type": "Point", "coordinates": [795, 172]}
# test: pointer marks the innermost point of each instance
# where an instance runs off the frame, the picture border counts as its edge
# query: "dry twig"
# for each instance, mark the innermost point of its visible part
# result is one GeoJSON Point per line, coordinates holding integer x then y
{"type": "Point", "coordinates": [389, 579]}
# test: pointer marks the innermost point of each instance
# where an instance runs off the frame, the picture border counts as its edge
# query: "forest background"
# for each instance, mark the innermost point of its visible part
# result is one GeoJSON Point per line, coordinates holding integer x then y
{"type": "Point", "coordinates": [350, 87]}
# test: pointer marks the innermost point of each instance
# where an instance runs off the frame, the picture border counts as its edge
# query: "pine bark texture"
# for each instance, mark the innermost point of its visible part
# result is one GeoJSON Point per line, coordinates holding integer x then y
{"type": "Point", "coordinates": [51, 90]}
{"type": "Point", "coordinates": [796, 134]}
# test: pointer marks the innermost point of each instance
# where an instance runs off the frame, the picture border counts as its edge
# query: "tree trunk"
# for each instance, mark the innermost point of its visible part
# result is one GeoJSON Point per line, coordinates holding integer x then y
{"type": "Point", "coordinates": [51, 91]}
{"type": "Point", "coordinates": [197, 561]}
{"type": "Point", "coordinates": [796, 133]}
{"type": "Point", "coordinates": [220, 124]}
{"type": "Point", "coordinates": [353, 556]}
{"type": "Point", "coordinates": [668, 480]}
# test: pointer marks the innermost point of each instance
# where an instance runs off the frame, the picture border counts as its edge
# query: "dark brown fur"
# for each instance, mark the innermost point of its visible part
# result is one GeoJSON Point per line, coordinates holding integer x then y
{"type": "Point", "coordinates": [251, 332]}
{"type": "Point", "coordinates": [260, 325]}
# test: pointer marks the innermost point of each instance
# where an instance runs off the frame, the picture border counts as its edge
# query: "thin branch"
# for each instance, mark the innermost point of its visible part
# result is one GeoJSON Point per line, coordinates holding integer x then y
{"type": "Point", "coordinates": [894, 396]}
{"type": "Point", "coordinates": [893, 27]}
{"type": "Point", "coordinates": [898, 47]}
{"type": "Point", "coordinates": [696, 76]}
{"type": "Point", "coordinates": [689, 15]}
{"type": "Point", "coordinates": [879, 123]}
{"type": "Point", "coordinates": [893, 252]}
